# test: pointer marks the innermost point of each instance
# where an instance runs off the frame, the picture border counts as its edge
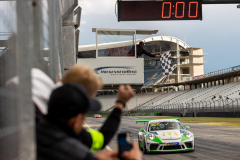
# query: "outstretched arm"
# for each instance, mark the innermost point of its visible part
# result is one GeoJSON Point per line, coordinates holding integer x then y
{"type": "Point", "coordinates": [149, 54]}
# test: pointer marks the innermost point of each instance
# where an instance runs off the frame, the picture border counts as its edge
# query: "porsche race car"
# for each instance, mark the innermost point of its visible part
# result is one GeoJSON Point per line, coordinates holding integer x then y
{"type": "Point", "coordinates": [165, 135]}
{"type": "Point", "coordinates": [97, 116]}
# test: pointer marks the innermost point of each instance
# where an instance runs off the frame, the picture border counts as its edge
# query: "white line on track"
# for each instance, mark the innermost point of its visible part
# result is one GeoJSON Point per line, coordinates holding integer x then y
{"type": "Point", "coordinates": [107, 147]}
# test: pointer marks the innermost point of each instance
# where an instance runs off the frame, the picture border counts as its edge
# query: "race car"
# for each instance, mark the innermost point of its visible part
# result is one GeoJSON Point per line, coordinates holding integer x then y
{"type": "Point", "coordinates": [165, 135]}
{"type": "Point", "coordinates": [97, 116]}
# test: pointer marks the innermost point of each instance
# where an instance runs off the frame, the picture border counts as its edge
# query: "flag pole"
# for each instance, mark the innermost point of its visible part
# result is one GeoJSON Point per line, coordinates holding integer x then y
{"type": "Point", "coordinates": [168, 83]}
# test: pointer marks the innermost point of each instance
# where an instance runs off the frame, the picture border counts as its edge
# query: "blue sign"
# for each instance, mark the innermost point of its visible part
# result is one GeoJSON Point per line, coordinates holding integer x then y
{"type": "Point", "coordinates": [172, 144]}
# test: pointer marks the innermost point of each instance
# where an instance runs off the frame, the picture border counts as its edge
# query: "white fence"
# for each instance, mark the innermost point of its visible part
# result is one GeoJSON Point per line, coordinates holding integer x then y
{"type": "Point", "coordinates": [33, 34]}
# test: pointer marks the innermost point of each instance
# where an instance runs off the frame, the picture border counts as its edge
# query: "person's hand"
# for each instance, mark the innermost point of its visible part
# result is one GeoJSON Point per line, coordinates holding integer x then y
{"type": "Point", "coordinates": [157, 56]}
{"type": "Point", "coordinates": [124, 94]}
{"type": "Point", "coordinates": [134, 153]}
{"type": "Point", "coordinates": [107, 155]}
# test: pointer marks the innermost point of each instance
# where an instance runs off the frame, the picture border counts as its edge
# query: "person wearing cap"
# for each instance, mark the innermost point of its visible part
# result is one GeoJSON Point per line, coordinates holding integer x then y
{"type": "Point", "coordinates": [88, 78]}
{"type": "Point", "coordinates": [57, 133]}
{"type": "Point", "coordinates": [42, 86]}
{"type": "Point", "coordinates": [141, 50]}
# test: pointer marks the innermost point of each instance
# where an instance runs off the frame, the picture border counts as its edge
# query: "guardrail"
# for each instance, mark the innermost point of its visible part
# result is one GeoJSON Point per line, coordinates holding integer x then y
{"type": "Point", "coordinates": [229, 105]}
{"type": "Point", "coordinates": [214, 73]}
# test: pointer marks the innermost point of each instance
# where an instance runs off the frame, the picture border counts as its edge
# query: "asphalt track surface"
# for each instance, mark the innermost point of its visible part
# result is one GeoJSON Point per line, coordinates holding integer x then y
{"type": "Point", "coordinates": [211, 142]}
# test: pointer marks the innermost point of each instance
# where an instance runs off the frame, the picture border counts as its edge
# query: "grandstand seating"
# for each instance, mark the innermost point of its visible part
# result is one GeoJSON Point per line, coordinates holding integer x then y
{"type": "Point", "coordinates": [107, 101]}
{"type": "Point", "coordinates": [206, 95]}
{"type": "Point", "coordinates": [148, 75]}
{"type": "Point", "coordinates": [203, 95]}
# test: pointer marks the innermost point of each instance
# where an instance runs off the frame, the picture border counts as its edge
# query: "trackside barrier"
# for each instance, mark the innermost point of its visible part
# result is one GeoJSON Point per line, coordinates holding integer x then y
{"type": "Point", "coordinates": [33, 34]}
{"type": "Point", "coordinates": [193, 108]}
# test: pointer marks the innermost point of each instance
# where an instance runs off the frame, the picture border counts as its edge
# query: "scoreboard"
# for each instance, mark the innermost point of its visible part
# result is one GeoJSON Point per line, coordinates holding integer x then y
{"type": "Point", "coordinates": [159, 10]}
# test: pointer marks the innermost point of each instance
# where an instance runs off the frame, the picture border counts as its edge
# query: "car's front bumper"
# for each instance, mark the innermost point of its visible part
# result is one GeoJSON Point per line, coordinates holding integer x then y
{"type": "Point", "coordinates": [163, 147]}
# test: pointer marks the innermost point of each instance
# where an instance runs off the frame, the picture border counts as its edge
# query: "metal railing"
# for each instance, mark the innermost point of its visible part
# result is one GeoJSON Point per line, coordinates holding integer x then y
{"type": "Point", "coordinates": [214, 73]}
{"type": "Point", "coordinates": [229, 105]}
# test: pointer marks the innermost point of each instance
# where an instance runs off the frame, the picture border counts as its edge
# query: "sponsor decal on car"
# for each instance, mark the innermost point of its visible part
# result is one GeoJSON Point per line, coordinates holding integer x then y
{"type": "Point", "coordinates": [169, 133]}
{"type": "Point", "coordinates": [172, 144]}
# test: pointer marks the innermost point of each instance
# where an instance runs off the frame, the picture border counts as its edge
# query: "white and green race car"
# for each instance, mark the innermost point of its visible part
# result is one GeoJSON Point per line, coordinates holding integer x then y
{"type": "Point", "coordinates": [165, 135]}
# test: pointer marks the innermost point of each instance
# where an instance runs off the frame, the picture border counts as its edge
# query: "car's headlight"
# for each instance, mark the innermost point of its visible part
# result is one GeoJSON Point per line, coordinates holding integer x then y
{"type": "Point", "coordinates": [188, 134]}
{"type": "Point", "coordinates": [151, 137]}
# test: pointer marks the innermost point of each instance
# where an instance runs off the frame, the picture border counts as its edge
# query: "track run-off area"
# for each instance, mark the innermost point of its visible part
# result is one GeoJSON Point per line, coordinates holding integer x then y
{"type": "Point", "coordinates": [211, 142]}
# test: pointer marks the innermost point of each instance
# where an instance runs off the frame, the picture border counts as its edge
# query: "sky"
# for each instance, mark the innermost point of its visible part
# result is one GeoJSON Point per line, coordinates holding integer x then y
{"type": "Point", "coordinates": [218, 33]}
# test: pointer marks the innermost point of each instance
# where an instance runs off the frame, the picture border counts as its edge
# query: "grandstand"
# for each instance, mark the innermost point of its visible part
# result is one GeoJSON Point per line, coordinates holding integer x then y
{"type": "Point", "coordinates": [225, 94]}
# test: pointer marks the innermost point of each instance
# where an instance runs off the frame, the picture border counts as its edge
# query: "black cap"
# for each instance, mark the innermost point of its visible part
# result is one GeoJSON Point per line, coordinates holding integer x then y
{"type": "Point", "coordinates": [69, 100]}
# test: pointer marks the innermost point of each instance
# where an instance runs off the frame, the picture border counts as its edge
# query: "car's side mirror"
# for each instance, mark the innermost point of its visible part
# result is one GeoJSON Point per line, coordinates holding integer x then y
{"type": "Point", "coordinates": [142, 130]}
{"type": "Point", "coordinates": [187, 127]}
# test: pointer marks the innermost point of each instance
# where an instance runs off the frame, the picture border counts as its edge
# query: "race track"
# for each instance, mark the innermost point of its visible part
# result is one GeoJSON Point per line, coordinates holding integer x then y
{"type": "Point", "coordinates": [211, 142]}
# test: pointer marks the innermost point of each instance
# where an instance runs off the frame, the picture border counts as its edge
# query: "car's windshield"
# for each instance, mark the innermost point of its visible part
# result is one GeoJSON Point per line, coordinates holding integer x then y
{"type": "Point", "coordinates": [164, 126]}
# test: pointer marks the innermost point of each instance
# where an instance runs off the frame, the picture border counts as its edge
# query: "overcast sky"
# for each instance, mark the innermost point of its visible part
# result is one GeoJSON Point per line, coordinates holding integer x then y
{"type": "Point", "coordinates": [218, 33]}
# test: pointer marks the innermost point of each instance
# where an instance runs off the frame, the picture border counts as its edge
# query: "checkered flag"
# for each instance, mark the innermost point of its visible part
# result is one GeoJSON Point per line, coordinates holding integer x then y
{"type": "Point", "coordinates": [167, 67]}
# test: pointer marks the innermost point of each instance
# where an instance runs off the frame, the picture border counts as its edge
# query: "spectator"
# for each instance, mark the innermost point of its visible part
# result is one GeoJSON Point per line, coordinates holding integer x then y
{"type": "Point", "coordinates": [43, 85]}
{"type": "Point", "coordinates": [227, 98]}
{"type": "Point", "coordinates": [88, 78]}
{"type": "Point", "coordinates": [220, 96]}
{"type": "Point", "coordinates": [213, 97]}
{"type": "Point", "coordinates": [57, 133]}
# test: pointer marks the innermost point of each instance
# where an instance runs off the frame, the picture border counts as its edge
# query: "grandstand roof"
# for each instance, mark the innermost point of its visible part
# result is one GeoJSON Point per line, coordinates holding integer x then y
{"type": "Point", "coordinates": [125, 43]}
{"type": "Point", "coordinates": [204, 80]}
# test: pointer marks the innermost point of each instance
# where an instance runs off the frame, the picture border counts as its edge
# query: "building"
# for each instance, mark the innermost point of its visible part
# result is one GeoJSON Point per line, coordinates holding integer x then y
{"type": "Point", "coordinates": [187, 60]}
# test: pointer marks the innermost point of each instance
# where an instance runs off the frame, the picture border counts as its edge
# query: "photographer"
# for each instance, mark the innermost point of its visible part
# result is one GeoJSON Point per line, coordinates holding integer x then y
{"type": "Point", "coordinates": [57, 133]}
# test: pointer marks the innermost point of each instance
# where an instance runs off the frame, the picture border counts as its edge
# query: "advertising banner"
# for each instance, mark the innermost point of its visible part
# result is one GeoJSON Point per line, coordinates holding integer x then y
{"type": "Point", "coordinates": [117, 70]}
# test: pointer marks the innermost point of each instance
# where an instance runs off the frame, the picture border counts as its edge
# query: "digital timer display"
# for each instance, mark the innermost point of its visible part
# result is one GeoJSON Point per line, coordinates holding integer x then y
{"type": "Point", "coordinates": [159, 10]}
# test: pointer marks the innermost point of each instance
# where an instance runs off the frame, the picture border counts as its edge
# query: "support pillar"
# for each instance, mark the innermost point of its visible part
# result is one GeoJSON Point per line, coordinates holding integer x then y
{"type": "Point", "coordinates": [207, 84]}
{"type": "Point", "coordinates": [215, 83]}
{"type": "Point", "coordinates": [178, 62]}
{"type": "Point", "coordinates": [223, 81]}
{"type": "Point", "coordinates": [195, 86]}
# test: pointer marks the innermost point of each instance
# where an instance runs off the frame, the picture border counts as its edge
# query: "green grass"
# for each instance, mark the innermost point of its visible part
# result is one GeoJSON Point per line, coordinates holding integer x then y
{"type": "Point", "coordinates": [219, 121]}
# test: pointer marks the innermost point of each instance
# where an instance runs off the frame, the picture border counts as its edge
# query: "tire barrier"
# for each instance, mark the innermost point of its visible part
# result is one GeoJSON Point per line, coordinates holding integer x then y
{"type": "Point", "coordinates": [189, 114]}
{"type": "Point", "coordinates": [176, 114]}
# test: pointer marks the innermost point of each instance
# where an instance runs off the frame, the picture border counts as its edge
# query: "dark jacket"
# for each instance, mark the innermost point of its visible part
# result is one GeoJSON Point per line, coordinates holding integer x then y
{"type": "Point", "coordinates": [141, 50]}
{"type": "Point", "coordinates": [55, 140]}
{"type": "Point", "coordinates": [108, 129]}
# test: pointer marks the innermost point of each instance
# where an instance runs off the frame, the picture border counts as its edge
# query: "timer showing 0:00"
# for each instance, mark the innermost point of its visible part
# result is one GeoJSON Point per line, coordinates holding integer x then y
{"type": "Point", "coordinates": [179, 11]}
{"type": "Point", "coordinates": [159, 10]}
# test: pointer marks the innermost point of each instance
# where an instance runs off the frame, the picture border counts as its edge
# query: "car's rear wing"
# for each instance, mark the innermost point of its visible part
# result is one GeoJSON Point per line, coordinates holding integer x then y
{"type": "Point", "coordinates": [147, 120]}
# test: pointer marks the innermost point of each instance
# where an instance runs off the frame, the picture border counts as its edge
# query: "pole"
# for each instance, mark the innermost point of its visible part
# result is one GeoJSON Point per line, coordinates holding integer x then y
{"type": "Point", "coordinates": [136, 100]}
{"type": "Point", "coordinates": [168, 82]}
